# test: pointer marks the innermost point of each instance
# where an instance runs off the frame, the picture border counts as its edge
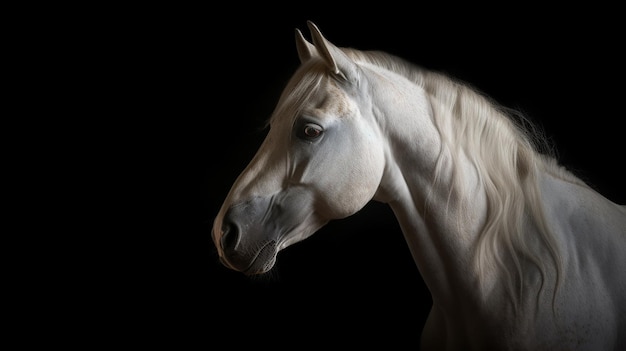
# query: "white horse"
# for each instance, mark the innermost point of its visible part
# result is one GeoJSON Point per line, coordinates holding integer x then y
{"type": "Point", "coordinates": [517, 252]}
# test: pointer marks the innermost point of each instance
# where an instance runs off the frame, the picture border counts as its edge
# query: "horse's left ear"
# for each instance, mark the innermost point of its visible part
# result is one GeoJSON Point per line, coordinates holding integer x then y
{"type": "Point", "coordinates": [339, 64]}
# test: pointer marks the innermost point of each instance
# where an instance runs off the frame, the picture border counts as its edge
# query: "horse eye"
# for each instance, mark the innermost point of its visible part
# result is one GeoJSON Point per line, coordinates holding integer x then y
{"type": "Point", "coordinates": [312, 131]}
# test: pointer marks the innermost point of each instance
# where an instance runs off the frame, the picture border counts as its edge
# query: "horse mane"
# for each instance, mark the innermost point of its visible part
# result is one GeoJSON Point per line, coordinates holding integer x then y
{"type": "Point", "coordinates": [509, 152]}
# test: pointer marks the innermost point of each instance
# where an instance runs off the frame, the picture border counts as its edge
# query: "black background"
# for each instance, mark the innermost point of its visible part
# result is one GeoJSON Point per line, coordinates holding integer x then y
{"type": "Point", "coordinates": [187, 93]}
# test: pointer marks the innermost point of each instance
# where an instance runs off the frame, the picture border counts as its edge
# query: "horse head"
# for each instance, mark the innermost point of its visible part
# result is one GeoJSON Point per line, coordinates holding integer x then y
{"type": "Point", "coordinates": [321, 160]}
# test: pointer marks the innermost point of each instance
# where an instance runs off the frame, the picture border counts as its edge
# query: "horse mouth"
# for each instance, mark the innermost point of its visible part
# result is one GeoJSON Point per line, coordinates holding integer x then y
{"type": "Point", "coordinates": [264, 259]}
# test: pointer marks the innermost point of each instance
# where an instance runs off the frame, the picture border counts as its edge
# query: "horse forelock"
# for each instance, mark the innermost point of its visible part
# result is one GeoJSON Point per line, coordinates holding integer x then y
{"type": "Point", "coordinates": [300, 87]}
{"type": "Point", "coordinates": [307, 80]}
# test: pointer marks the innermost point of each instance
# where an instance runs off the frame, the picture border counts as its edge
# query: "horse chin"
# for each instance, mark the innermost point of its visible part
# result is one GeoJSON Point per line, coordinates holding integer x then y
{"type": "Point", "coordinates": [258, 267]}
{"type": "Point", "coordinates": [262, 262]}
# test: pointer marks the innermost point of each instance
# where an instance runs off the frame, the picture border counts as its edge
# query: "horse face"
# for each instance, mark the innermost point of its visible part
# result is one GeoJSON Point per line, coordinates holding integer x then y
{"type": "Point", "coordinates": [324, 164]}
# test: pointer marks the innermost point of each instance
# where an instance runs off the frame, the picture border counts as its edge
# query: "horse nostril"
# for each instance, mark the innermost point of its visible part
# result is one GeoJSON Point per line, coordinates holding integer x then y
{"type": "Point", "coordinates": [230, 236]}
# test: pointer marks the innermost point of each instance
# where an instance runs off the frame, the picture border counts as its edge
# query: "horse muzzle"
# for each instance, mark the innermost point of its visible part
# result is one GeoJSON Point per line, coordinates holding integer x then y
{"type": "Point", "coordinates": [236, 255]}
{"type": "Point", "coordinates": [250, 233]}
{"type": "Point", "coordinates": [247, 236]}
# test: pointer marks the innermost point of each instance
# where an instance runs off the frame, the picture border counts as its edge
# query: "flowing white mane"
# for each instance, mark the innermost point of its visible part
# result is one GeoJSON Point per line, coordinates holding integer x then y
{"type": "Point", "coordinates": [507, 150]}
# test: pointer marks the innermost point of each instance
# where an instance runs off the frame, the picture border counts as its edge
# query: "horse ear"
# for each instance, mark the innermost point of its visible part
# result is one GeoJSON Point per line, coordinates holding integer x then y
{"type": "Point", "coordinates": [305, 49]}
{"type": "Point", "coordinates": [337, 61]}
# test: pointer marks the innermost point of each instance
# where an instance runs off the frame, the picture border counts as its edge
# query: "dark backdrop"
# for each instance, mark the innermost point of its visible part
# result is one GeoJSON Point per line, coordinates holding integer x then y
{"type": "Point", "coordinates": [193, 87]}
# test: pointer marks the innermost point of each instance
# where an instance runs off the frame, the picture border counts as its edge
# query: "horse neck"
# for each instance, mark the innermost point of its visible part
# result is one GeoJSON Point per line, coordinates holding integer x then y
{"type": "Point", "coordinates": [439, 227]}
{"type": "Point", "coordinates": [439, 230]}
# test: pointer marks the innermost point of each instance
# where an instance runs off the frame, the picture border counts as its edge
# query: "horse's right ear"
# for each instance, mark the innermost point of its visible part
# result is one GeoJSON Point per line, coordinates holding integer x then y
{"type": "Point", "coordinates": [305, 49]}
{"type": "Point", "coordinates": [338, 63]}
